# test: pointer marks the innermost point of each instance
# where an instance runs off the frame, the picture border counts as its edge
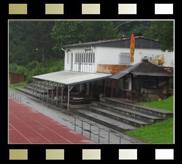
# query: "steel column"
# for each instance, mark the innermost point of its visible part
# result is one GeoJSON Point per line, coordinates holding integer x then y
{"type": "Point", "coordinates": [68, 102]}
{"type": "Point", "coordinates": [57, 94]}
{"type": "Point", "coordinates": [62, 88]}
{"type": "Point", "coordinates": [52, 93]}
{"type": "Point", "coordinates": [112, 82]}
{"type": "Point", "coordinates": [47, 92]}
{"type": "Point", "coordinates": [43, 89]}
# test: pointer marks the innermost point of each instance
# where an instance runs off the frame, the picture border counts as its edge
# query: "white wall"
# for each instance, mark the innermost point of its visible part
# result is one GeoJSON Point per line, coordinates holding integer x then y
{"type": "Point", "coordinates": [107, 55]}
{"type": "Point", "coordinates": [140, 53]}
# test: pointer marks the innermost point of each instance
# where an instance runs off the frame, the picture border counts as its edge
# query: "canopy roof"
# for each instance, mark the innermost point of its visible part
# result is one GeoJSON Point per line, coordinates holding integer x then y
{"type": "Point", "coordinates": [143, 68]}
{"type": "Point", "coordinates": [71, 77]}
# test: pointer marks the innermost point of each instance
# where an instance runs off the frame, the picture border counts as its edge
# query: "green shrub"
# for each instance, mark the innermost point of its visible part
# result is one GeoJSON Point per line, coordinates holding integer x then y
{"type": "Point", "coordinates": [13, 67]}
{"type": "Point", "coordinates": [29, 79]}
{"type": "Point", "coordinates": [33, 64]}
{"type": "Point", "coordinates": [36, 68]}
{"type": "Point", "coordinates": [21, 70]}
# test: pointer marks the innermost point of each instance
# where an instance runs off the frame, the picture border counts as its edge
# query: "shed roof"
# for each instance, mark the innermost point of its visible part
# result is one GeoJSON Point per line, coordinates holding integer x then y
{"type": "Point", "coordinates": [140, 42]}
{"type": "Point", "coordinates": [143, 68]}
{"type": "Point", "coordinates": [71, 77]}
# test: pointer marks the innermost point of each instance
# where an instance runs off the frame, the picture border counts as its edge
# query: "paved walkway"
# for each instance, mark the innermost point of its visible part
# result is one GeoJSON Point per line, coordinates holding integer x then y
{"type": "Point", "coordinates": [29, 126]}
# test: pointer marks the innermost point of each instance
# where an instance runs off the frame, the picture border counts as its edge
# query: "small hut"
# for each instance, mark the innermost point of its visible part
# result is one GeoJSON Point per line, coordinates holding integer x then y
{"type": "Point", "coordinates": [143, 81]}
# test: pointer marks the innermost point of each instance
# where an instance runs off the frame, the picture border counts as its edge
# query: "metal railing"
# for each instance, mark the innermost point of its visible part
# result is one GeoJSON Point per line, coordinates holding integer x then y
{"type": "Point", "coordinates": [95, 133]}
{"type": "Point", "coordinates": [15, 94]}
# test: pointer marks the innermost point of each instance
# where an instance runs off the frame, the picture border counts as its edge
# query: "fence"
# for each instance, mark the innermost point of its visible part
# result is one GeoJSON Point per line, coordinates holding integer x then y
{"type": "Point", "coordinates": [14, 94]}
{"type": "Point", "coordinates": [95, 133]}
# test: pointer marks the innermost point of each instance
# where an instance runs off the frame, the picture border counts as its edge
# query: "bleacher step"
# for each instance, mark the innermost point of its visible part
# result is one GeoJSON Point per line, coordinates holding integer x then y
{"type": "Point", "coordinates": [116, 116]}
{"type": "Point", "coordinates": [139, 108]}
{"type": "Point", "coordinates": [109, 122]}
{"type": "Point", "coordinates": [130, 113]}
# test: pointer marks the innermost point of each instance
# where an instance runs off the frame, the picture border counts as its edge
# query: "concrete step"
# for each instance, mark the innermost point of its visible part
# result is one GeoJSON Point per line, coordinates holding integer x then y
{"type": "Point", "coordinates": [139, 108]}
{"type": "Point", "coordinates": [38, 89]}
{"type": "Point", "coordinates": [109, 122]}
{"type": "Point", "coordinates": [129, 113]}
{"type": "Point", "coordinates": [26, 91]}
{"type": "Point", "coordinates": [116, 116]}
{"type": "Point", "coordinates": [29, 87]}
{"type": "Point", "coordinates": [42, 86]}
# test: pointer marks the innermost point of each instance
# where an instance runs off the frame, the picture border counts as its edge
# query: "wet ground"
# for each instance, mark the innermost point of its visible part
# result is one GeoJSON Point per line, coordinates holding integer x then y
{"type": "Point", "coordinates": [96, 132]}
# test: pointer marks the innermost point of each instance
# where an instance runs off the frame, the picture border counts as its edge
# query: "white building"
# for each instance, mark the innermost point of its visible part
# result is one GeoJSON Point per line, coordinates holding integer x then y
{"type": "Point", "coordinates": [88, 66]}
{"type": "Point", "coordinates": [91, 56]}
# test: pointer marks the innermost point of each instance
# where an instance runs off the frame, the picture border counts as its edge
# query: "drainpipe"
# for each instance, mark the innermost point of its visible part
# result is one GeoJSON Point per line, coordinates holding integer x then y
{"type": "Point", "coordinates": [64, 57]}
{"type": "Point", "coordinates": [63, 49]}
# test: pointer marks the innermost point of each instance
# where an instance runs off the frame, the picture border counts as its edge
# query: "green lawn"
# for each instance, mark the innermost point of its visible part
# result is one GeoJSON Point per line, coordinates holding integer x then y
{"type": "Point", "coordinates": [166, 104]}
{"type": "Point", "coordinates": [161, 132]}
{"type": "Point", "coordinates": [19, 85]}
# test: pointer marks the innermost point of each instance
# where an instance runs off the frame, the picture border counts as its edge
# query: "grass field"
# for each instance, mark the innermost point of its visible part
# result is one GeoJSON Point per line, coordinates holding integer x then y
{"type": "Point", "coordinates": [19, 85]}
{"type": "Point", "coordinates": [166, 104]}
{"type": "Point", "coordinates": [161, 132]}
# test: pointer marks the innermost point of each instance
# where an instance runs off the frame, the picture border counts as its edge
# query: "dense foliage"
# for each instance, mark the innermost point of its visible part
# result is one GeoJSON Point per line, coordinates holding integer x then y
{"type": "Point", "coordinates": [70, 32]}
{"type": "Point", "coordinates": [162, 31]}
{"type": "Point", "coordinates": [36, 68]}
{"type": "Point", "coordinates": [30, 40]}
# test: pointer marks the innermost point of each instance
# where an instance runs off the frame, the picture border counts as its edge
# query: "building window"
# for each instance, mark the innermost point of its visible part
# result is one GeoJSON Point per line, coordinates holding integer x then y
{"type": "Point", "coordinates": [124, 58]}
{"type": "Point", "coordinates": [87, 57]}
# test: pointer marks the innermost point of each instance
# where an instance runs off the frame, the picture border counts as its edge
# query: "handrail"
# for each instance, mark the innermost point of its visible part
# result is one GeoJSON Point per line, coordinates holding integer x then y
{"type": "Point", "coordinates": [76, 124]}
{"type": "Point", "coordinates": [14, 94]}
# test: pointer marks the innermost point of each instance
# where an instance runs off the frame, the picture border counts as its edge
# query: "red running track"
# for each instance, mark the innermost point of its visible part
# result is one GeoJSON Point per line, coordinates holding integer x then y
{"type": "Point", "coordinates": [27, 126]}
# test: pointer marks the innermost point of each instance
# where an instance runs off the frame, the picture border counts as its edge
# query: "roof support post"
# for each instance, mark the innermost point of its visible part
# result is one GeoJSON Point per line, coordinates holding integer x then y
{"type": "Point", "coordinates": [40, 90]}
{"type": "Point", "coordinates": [167, 91]}
{"type": "Point", "coordinates": [57, 94]}
{"type": "Point", "coordinates": [33, 87]}
{"type": "Point", "coordinates": [36, 87]}
{"type": "Point", "coordinates": [52, 94]}
{"type": "Point", "coordinates": [112, 83]}
{"type": "Point", "coordinates": [48, 92]}
{"type": "Point", "coordinates": [138, 89]}
{"type": "Point", "coordinates": [62, 88]}
{"type": "Point", "coordinates": [123, 87]}
{"type": "Point", "coordinates": [104, 86]}
{"type": "Point", "coordinates": [70, 87]}
{"type": "Point", "coordinates": [43, 90]}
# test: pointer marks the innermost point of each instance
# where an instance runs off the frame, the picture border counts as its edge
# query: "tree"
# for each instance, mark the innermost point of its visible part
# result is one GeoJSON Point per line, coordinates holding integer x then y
{"type": "Point", "coordinates": [70, 32]}
{"type": "Point", "coordinates": [126, 28]}
{"type": "Point", "coordinates": [30, 40]}
{"type": "Point", "coordinates": [162, 31]}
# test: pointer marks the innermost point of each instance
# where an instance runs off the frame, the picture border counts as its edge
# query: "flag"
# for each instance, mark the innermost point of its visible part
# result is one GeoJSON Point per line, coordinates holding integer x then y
{"type": "Point", "coordinates": [162, 59]}
{"type": "Point", "coordinates": [132, 48]}
{"type": "Point", "coordinates": [156, 60]}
